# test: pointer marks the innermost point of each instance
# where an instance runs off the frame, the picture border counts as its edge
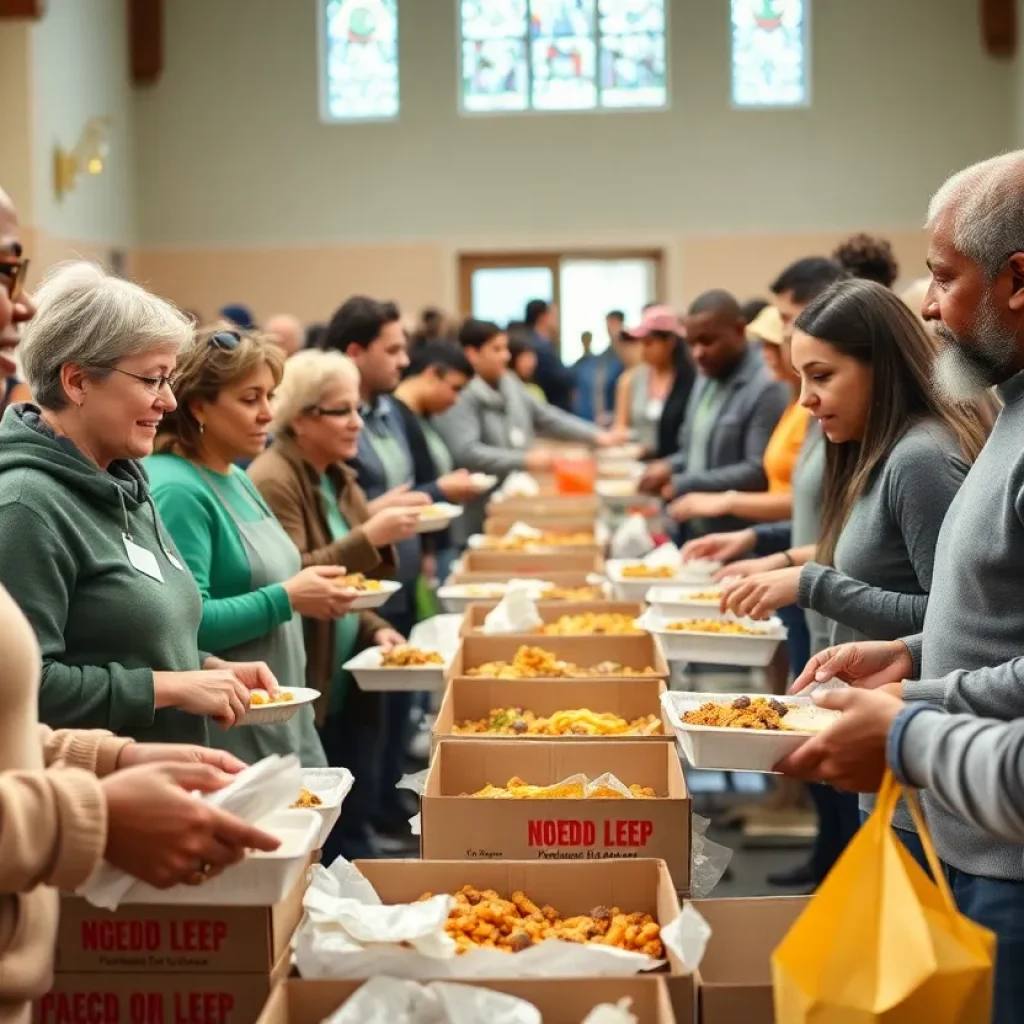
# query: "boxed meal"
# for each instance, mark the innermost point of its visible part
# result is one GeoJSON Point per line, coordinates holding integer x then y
{"type": "Point", "coordinates": [158, 998]}
{"type": "Point", "coordinates": [611, 709]}
{"type": "Point", "coordinates": [553, 657]}
{"type": "Point", "coordinates": [562, 578]}
{"type": "Point", "coordinates": [531, 563]}
{"type": "Point", "coordinates": [175, 938]}
{"type": "Point", "coordinates": [560, 1001]}
{"type": "Point", "coordinates": [734, 982]}
{"type": "Point", "coordinates": [457, 822]}
{"type": "Point", "coordinates": [587, 614]}
{"type": "Point", "coordinates": [563, 512]}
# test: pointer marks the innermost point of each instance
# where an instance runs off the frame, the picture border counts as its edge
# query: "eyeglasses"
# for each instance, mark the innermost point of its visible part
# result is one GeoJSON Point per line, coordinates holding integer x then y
{"type": "Point", "coordinates": [12, 276]}
{"type": "Point", "coordinates": [154, 385]}
{"type": "Point", "coordinates": [226, 341]}
{"type": "Point", "coordinates": [319, 410]}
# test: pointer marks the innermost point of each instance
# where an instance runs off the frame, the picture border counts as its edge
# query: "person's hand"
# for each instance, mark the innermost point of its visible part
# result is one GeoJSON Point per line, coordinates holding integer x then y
{"type": "Point", "coordinates": [539, 460]}
{"type": "Point", "coordinates": [750, 566]}
{"type": "Point", "coordinates": [386, 639]}
{"type": "Point", "coordinates": [214, 691]}
{"type": "Point", "coordinates": [135, 754]}
{"type": "Point", "coordinates": [391, 525]}
{"type": "Point", "coordinates": [159, 833]}
{"type": "Point", "coordinates": [459, 486]}
{"type": "Point", "coordinates": [314, 594]}
{"type": "Point", "coordinates": [656, 476]}
{"type": "Point", "coordinates": [869, 665]}
{"type": "Point", "coordinates": [402, 496]}
{"type": "Point", "coordinates": [850, 753]}
{"type": "Point", "coordinates": [253, 675]}
{"type": "Point", "coordinates": [759, 596]}
{"type": "Point", "coordinates": [700, 506]}
{"type": "Point", "coordinates": [720, 547]}
{"type": "Point", "coordinates": [611, 438]}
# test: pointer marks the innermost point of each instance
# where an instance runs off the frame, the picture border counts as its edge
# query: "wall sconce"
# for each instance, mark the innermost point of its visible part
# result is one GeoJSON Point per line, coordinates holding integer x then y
{"type": "Point", "coordinates": [87, 156]}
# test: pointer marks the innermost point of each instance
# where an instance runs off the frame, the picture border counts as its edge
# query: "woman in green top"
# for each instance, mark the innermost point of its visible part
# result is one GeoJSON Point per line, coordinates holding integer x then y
{"type": "Point", "coordinates": [249, 572]}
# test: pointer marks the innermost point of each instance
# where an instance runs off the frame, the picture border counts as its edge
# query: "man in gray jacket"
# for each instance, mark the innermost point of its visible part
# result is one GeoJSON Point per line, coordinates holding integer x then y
{"type": "Point", "coordinates": [968, 657]}
{"type": "Point", "coordinates": [496, 421]}
{"type": "Point", "coordinates": [734, 407]}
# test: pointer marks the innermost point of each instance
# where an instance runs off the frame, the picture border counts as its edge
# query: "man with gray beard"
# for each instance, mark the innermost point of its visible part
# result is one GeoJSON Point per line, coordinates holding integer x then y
{"type": "Point", "coordinates": [968, 660]}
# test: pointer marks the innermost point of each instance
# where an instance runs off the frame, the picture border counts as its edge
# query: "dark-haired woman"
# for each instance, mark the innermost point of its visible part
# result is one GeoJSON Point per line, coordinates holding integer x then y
{"type": "Point", "coordinates": [896, 456]}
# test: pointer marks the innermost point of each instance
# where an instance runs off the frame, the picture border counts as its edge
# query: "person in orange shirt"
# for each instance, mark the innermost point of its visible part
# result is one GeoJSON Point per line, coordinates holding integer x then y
{"type": "Point", "coordinates": [783, 448]}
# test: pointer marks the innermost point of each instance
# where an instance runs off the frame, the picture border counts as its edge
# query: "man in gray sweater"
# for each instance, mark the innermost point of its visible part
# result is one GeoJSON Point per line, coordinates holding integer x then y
{"type": "Point", "coordinates": [968, 659]}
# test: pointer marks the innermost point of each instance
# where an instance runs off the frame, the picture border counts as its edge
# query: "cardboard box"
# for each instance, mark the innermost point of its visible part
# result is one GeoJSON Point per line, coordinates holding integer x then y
{"type": "Point", "coordinates": [470, 699]}
{"type": "Point", "coordinates": [559, 1001]}
{"type": "Point", "coordinates": [532, 563]}
{"type": "Point", "coordinates": [557, 577]}
{"type": "Point", "coordinates": [101, 998]}
{"type": "Point", "coordinates": [578, 516]}
{"type": "Point", "coordinates": [638, 651]}
{"type": "Point", "coordinates": [549, 504]}
{"type": "Point", "coordinates": [454, 826]}
{"type": "Point", "coordinates": [143, 939]}
{"type": "Point", "coordinates": [552, 611]}
{"type": "Point", "coordinates": [734, 982]}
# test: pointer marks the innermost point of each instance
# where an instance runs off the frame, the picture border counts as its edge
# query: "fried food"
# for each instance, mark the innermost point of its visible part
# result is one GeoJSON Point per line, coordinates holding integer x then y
{"type": "Point", "coordinates": [639, 571]}
{"type": "Point", "coordinates": [409, 657]}
{"type": "Point", "coordinates": [547, 539]}
{"type": "Point", "coordinates": [260, 698]}
{"type": "Point", "coordinates": [308, 799]}
{"type": "Point", "coordinates": [433, 512]}
{"type": "Point", "coordinates": [517, 789]}
{"type": "Point", "coordinates": [764, 713]}
{"type": "Point", "coordinates": [711, 596]}
{"type": "Point", "coordinates": [589, 593]}
{"type": "Point", "coordinates": [536, 663]}
{"type": "Point", "coordinates": [482, 918]}
{"type": "Point", "coordinates": [357, 581]}
{"type": "Point", "coordinates": [714, 626]}
{"type": "Point", "coordinates": [476, 590]}
{"type": "Point", "coordinates": [591, 623]}
{"type": "Point", "coordinates": [579, 722]}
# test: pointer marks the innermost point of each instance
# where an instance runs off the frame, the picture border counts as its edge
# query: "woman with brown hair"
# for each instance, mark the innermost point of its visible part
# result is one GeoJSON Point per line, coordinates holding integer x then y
{"type": "Point", "coordinates": [250, 574]}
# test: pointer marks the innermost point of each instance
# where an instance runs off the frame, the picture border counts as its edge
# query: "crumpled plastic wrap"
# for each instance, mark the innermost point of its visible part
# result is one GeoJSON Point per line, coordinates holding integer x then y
{"type": "Point", "coordinates": [708, 859]}
{"type": "Point", "coordinates": [631, 539]}
{"type": "Point", "coordinates": [517, 485]}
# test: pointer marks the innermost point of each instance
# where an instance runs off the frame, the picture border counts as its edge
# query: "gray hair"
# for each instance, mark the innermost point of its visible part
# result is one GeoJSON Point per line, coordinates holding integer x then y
{"type": "Point", "coordinates": [307, 376]}
{"type": "Point", "coordinates": [91, 318]}
{"type": "Point", "coordinates": [987, 201]}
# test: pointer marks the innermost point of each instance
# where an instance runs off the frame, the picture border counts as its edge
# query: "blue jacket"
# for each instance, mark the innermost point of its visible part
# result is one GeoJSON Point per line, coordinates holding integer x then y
{"type": "Point", "coordinates": [551, 375]}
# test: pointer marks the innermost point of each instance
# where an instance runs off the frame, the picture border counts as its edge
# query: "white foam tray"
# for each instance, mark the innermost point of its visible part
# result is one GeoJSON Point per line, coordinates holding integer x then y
{"type": "Point", "coordinates": [623, 494]}
{"type": "Point", "coordinates": [457, 597]}
{"type": "Point", "coordinates": [332, 785]}
{"type": "Point", "coordinates": [375, 598]}
{"type": "Point", "coordinates": [717, 648]}
{"type": "Point", "coordinates": [365, 668]}
{"type": "Point", "coordinates": [724, 749]}
{"type": "Point", "coordinates": [675, 602]}
{"type": "Point", "coordinates": [435, 524]}
{"type": "Point", "coordinates": [261, 880]}
{"type": "Point", "coordinates": [627, 588]}
{"type": "Point", "coordinates": [275, 714]}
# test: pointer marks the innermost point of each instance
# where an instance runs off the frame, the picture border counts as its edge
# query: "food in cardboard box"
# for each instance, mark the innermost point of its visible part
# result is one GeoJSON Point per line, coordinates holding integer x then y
{"type": "Point", "coordinates": [587, 593]}
{"type": "Point", "coordinates": [762, 713]}
{"type": "Point", "coordinates": [714, 626]}
{"type": "Point", "coordinates": [579, 722]}
{"type": "Point", "coordinates": [640, 571]}
{"type": "Point", "coordinates": [260, 698]}
{"type": "Point", "coordinates": [546, 539]}
{"type": "Point", "coordinates": [307, 798]}
{"type": "Point", "coordinates": [577, 788]}
{"type": "Point", "coordinates": [591, 623]}
{"type": "Point", "coordinates": [483, 918]}
{"type": "Point", "coordinates": [536, 663]}
{"type": "Point", "coordinates": [405, 656]}
{"type": "Point", "coordinates": [357, 581]}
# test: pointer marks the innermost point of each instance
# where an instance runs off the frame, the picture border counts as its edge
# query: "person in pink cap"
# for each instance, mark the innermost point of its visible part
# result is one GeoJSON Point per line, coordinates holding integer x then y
{"type": "Point", "coordinates": [651, 398]}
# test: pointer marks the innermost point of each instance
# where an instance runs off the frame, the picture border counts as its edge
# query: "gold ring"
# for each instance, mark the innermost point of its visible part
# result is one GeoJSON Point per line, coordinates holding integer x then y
{"type": "Point", "coordinates": [201, 873]}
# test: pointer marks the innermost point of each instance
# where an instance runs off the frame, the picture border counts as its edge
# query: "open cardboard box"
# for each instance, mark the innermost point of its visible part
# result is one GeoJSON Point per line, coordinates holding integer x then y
{"type": "Point", "coordinates": [454, 826]}
{"type": "Point", "coordinates": [551, 611]}
{"type": "Point", "coordinates": [549, 504]}
{"type": "Point", "coordinates": [176, 938]}
{"type": "Point", "coordinates": [532, 563]}
{"type": "Point", "coordinates": [734, 982]}
{"type": "Point", "coordinates": [573, 519]}
{"type": "Point", "coordinates": [559, 1001]}
{"type": "Point", "coordinates": [638, 651]}
{"type": "Point", "coordinates": [557, 577]}
{"type": "Point", "coordinates": [158, 998]}
{"type": "Point", "coordinates": [471, 699]}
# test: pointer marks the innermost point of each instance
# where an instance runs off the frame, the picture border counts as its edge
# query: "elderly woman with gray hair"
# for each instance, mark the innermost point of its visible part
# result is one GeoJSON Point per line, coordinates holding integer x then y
{"type": "Point", "coordinates": [82, 549]}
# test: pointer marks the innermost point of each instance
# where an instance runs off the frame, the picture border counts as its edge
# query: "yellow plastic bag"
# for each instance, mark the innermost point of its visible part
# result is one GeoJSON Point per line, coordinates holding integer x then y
{"type": "Point", "coordinates": [881, 941]}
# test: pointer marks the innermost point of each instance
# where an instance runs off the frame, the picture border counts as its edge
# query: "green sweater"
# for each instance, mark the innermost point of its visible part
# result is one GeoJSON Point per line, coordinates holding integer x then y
{"type": "Point", "coordinates": [104, 627]}
{"type": "Point", "coordinates": [206, 536]}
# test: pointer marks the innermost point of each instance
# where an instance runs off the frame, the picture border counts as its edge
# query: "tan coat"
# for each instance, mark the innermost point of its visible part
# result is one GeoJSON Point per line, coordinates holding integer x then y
{"type": "Point", "coordinates": [291, 487]}
{"type": "Point", "coordinates": [53, 818]}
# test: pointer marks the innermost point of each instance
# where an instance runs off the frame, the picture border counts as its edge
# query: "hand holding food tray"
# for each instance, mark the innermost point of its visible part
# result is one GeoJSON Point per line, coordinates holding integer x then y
{"type": "Point", "coordinates": [742, 732]}
{"type": "Point", "coordinates": [715, 640]}
{"type": "Point", "coordinates": [402, 668]}
{"type": "Point", "coordinates": [368, 593]}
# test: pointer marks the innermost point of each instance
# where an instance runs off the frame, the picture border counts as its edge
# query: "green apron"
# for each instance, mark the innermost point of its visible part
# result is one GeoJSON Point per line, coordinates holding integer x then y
{"type": "Point", "coordinates": [346, 629]}
{"type": "Point", "coordinates": [273, 558]}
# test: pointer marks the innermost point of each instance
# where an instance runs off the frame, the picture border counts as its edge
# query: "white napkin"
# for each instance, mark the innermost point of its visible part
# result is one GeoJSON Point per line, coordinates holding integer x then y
{"type": "Point", "coordinates": [255, 792]}
{"type": "Point", "coordinates": [666, 554]}
{"type": "Point", "coordinates": [606, 1013]}
{"type": "Point", "coordinates": [515, 613]}
{"type": "Point", "coordinates": [519, 485]}
{"type": "Point", "coordinates": [632, 539]}
{"type": "Point", "coordinates": [438, 633]}
{"type": "Point", "coordinates": [523, 530]}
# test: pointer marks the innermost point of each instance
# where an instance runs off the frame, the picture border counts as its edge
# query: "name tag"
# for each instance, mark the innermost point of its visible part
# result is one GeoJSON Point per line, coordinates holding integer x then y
{"type": "Point", "coordinates": [517, 437]}
{"type": "Point", "coordinates": [142, 560]}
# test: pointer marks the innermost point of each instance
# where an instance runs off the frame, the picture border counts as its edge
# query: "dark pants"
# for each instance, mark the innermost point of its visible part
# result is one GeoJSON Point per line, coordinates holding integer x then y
{"type": "Point", "coordinates": [998, 905]}
{"type": "Point", "coordinates": [352, 740]}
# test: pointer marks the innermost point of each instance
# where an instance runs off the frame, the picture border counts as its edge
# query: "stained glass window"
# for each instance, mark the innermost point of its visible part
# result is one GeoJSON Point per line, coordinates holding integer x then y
{"type": "Point", "coordinates": [360, 54]}
{"type": "Point", "coordinates": [770, 53]}
{"type": "Point", "coordinates": [562, 54]}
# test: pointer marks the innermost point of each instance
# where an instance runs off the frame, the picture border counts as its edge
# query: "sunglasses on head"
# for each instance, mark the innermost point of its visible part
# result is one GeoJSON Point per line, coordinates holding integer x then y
{"type": "Point", "coordinates": [13, 273]}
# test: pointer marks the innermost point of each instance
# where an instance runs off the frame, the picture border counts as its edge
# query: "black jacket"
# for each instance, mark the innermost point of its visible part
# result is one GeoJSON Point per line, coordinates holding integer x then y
{"type": "Point", "coordinates": [424, 470]}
